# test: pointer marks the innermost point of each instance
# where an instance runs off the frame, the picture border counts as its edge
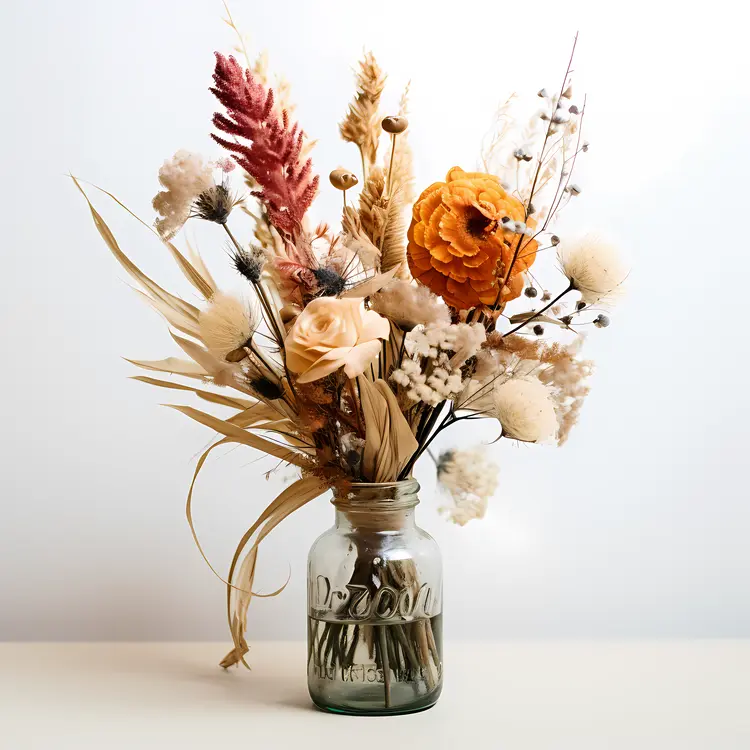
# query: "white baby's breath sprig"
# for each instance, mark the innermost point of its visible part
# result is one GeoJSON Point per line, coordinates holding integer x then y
{"type": "Point", "coordinates": [432, 371]}
{"type": "Point", "coordinates": [471, 480]}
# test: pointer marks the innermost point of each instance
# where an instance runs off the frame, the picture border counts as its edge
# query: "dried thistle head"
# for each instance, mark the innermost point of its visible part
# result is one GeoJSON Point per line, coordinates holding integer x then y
{"type": "Point", "coordinates": [330, 282]}
{"type": "Point", "coordinates": [215, 203]}
{"type": "Point", "coordinates": [248, 262]}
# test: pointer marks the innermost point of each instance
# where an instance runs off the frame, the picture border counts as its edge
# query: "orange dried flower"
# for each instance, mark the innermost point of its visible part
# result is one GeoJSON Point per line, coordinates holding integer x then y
{"type": "Point", "coordinates": [458, 244]}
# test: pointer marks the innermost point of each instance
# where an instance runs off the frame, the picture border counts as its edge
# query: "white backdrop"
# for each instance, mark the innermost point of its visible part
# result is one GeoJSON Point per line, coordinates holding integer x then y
{"type": "Point", "coordinates": [637, 527]}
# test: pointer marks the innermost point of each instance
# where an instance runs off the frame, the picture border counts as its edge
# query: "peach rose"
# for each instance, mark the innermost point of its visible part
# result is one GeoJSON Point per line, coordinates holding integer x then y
{"type": "Point", "coordinates": [331, 333]}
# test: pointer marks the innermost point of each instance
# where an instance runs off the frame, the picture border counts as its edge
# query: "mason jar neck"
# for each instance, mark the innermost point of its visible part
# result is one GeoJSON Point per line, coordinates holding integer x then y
{"type": "Point", "coordinates": [375, 507]}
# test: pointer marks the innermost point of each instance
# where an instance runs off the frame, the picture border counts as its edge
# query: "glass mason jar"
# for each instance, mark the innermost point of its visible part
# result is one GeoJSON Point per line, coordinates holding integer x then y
{"type": "Point", "coordinates": [374, 635]}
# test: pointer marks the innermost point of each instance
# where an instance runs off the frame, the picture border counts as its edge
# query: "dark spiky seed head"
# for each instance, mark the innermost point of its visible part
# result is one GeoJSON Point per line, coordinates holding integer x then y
{"type": "Point", "coordinates": [530, 291]}
{"type": "Point", "coordinates": [248, 263]}
{"type": "Point", "coordinates": [601, 321]}
{"type": "Point", "coordinates": [214, 204]}
{"type": "Point", "coordinates": [330, 283]}
{"type": "Point", "coordinates": [538, 329]}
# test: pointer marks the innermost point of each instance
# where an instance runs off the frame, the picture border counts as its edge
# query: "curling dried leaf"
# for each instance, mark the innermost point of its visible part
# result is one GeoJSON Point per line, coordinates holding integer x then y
{"type": "Point", "coordinates": [238, 597]}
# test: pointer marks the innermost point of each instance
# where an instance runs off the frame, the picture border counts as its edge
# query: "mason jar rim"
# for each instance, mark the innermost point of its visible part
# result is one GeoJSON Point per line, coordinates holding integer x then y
{"type": "Point", "coordinates": [395, 495]}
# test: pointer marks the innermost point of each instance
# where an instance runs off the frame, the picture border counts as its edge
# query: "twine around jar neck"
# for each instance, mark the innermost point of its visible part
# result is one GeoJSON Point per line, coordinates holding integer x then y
{"type": "Point", "coordinates": [376, 506]}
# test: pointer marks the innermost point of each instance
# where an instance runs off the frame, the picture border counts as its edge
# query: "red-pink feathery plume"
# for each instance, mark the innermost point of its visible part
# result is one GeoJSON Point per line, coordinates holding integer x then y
{"type": "Point", "coordinates": [273, 156]}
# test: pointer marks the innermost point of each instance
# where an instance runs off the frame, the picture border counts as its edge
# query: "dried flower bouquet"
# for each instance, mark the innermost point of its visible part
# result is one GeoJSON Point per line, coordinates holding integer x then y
{"type": "Point", "coordinates": [352, 350]}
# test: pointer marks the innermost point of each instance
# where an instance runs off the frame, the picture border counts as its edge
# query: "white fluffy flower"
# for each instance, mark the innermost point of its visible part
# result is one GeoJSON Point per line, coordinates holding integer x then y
{"type": "Point", "coordinates": [185, 176]}
{"type": "Point", "coordinates": [471, 479]}
{"type": "Point", "coordinates": [594, 268]}
{"type": "Point", "coordinates": [226, 326]}
{"type": "Point", "coordinates": [525, 410]}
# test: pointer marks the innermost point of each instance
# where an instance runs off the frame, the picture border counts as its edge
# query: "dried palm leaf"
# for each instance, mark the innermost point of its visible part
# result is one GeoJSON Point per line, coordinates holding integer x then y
{"type": "Point", "coordinates": [200, 278]}
{"type": "Point", "coordinates": [240, 404]}
{"type": "Point", "coordinates": [389, 442]}
{"type": "Point", "coordinates": [239, 435]}
{"type": "Point", "coordinates": [173, 365]}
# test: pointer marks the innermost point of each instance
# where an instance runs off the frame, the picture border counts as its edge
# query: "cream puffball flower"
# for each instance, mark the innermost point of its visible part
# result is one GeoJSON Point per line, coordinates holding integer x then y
{"type": "Point", "coordinates": [185, 176]}
{"type": "Point", "coordinates": [594, 268]}
{"type": "Point", "coordinates": [525, 410]}
{"type": "Point", "coordinates": [331, 333]}
{"type": "Point", "coordinates": [227, 325]}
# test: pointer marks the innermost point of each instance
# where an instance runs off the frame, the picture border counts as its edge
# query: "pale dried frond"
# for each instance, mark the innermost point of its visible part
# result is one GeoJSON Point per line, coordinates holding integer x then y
{"type": "Point", "coordinates": [495, 141]}
{"type": "Point", "coordinates": [356, 240]}
{"type": "Point", "coordinates": [393, 242]}
{"type": "Point", "coordinates": [384, 223]}
{"type": "Point", "coordinates": [361, 125]}
{"type": "Point", "coordinates": [402, 169]}
{"type": "Point", "coordinates": [371, 201]}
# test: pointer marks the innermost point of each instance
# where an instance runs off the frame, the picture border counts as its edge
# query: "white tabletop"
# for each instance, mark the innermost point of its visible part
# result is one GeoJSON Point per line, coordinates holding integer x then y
{"type": "Point", "coordinates": [556, 695]}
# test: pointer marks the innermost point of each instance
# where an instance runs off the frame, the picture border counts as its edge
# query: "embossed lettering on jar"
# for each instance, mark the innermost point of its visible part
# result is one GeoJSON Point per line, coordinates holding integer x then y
{"type": "Point", "coordinates": [375, 606]}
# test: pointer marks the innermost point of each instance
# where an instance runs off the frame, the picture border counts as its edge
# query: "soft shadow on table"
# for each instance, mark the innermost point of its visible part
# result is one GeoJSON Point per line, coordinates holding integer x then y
{"type": "Point", "coordinates": [239, 685]}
